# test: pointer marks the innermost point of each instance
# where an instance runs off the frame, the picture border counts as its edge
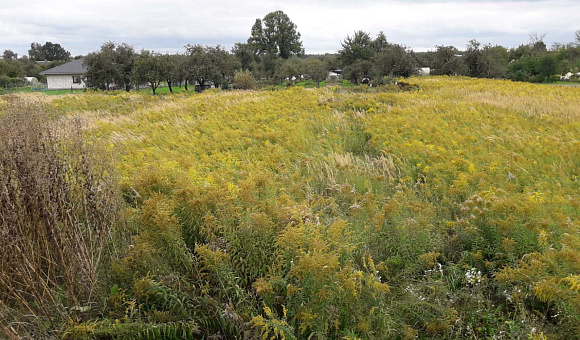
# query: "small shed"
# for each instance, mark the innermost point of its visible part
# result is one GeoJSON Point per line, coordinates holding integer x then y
{"type": "Point", "coordinates": [32, 81]}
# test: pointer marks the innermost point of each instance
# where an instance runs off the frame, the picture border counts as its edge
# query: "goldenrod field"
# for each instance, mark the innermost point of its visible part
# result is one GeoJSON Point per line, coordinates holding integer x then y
{"type": "Point", "coordinates": [447, 212]}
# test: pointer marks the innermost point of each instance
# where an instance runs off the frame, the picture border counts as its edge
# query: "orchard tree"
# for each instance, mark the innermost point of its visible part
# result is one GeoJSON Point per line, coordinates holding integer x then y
{"type": "Point", "coordinates": [394, 61]}
{"type": "Point", "coordinates": [291, 69]}
{"type": "Point", "coordinates": [446, 61]}
{"type": "Point", "coordinates": [331, 61]}
{"type": "Point", "coordinates": [522, 51]}
{"type": "Point", "coordinates": [496, 61]}
{"type": "Point", "coordinates": [537, 45]}
{"type": "Point", "coordinates": [486, 61]}
{"type": "Point", "coordinates": [101, 67]}
{"type": "Point", "coordinates": [149, 69]}
{"type": "Point", "coordinates": [208, 63]}
{"type": "Point", "coordinates": [355, 55]}
{"type": "Point", "coordinates": [316, 69]}
{"type": "Point", "coordinates": [357, 71]}
{"type": "Point", "coordinates": [244, 55]}
{"type": "Point", "coordinates": [125, 57]}
{"type": "Point", "coordinates": [112, 64]}
{"type": "Point", "coordinates": [276, 34]}
{"type": "Point", "coordinates": [356, 48]}
{"type": "Point", "coordinates": [172, 69]}
{"type": "Point", "coordinates": [474, 59]}
{"type": "Point", "coordinates": [268, 65]}
{"type": "Point", "coordinates": [11, 69]}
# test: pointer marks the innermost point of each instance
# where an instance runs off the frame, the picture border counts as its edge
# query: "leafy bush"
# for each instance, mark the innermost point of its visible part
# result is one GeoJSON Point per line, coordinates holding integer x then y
{"type": "Point", "coordinates": [244, 80]}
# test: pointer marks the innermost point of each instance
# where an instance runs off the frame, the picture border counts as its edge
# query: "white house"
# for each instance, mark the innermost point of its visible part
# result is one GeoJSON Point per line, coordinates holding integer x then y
{"type": "Point", "coordinates": [66, 76]}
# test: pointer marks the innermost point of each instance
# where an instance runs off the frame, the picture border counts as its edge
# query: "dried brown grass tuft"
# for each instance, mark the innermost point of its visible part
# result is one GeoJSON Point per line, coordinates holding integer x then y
{"type": "Point", "coordinates": [58, 212]}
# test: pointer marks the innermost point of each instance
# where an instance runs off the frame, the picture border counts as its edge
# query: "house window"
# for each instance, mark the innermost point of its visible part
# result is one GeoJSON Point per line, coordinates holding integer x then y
{"type": "Point", "coordinates": [76, 79]}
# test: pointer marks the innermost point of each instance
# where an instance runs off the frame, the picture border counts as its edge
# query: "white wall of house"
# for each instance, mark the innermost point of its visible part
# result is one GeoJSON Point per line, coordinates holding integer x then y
{"type": "Point", "coordinates": [61, 81]}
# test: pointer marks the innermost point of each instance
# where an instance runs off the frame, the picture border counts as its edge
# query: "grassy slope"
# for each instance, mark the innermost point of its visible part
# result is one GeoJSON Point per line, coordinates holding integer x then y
{"type": "Point", "coordinates": [449, 212]}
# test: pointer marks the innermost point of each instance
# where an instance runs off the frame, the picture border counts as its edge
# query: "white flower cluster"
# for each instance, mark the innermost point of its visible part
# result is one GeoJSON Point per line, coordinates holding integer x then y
{"type": "Point", "coordinates": [412, 291]}
{"type": "Point", "coordinates": [473, 277]}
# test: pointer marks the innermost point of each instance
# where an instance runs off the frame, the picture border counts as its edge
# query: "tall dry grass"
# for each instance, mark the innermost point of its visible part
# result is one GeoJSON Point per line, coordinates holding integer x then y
{"type": "Point", "coordinates": [58, 211]}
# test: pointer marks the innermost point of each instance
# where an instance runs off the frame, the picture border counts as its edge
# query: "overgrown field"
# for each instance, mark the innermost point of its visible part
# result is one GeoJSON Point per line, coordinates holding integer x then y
{"type": "Point", "coordinates": [448, 212]}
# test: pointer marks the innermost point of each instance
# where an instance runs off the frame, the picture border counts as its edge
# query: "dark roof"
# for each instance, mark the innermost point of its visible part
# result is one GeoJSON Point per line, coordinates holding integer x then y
{"type": "Point", "coordinates": [73, 67]}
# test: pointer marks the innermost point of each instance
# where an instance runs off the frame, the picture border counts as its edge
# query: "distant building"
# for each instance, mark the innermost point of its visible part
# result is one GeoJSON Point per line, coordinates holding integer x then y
{"type": "Point", "coordinates": [32, 81]}
{"type": "Point", "coordinates": [66, 76]}
{"type": "Point", "coordinates": [334, 75]}
{"type": "Point", "coordinates": [424, 71]}
{"type": "Point", "coordinates": [567, 76]}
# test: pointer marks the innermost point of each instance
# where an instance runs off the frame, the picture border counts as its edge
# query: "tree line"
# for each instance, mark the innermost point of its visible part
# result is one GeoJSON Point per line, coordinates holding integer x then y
{"type": "Point", "coordinates": [13, 68]}
{"type": "Point", "coordinates": [274, 54]}
{"type": "Point", "coordinates": [532, 62]}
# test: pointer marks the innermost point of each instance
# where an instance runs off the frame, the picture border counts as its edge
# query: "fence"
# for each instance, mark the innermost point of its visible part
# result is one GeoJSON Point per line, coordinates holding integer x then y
{"type": "Point", "coordinates": [11, 85]}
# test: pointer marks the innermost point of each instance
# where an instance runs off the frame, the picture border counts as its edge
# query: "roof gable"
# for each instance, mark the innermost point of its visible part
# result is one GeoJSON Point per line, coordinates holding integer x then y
{"type": "Point", "coordinates": [73, 67]}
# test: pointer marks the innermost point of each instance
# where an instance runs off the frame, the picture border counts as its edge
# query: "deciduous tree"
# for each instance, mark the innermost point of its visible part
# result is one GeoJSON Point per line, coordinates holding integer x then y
{"type": "Point", "coordinates": [124, 56]}
{"type": "Point", "coordinates": [112, 64]}
{"type": "Point", "coordinates": [9, 55]}
{"type": "Point", "coordinates": [446, 61]}
{"type": "Point", "coordinates": [356, 48]}
{"type": "Point", "coordinates": [102, 69]}
{"type": "Point", "coordinates": [209, 63]}
{"type": "Point", "coordinates": [316, 69]}
{"type": "Point", "coordinates": [55, 52]}
{"type": "Point", "coordinates": [394, 61]}
{"type": "Point", "coordinates": [244, 55]}
{"type": "Point", "coordinates": [149, 69]}
{"type": "Point", "coordinates": [276, 34]}
{"type": "Point", "coordinates": [486, 61]}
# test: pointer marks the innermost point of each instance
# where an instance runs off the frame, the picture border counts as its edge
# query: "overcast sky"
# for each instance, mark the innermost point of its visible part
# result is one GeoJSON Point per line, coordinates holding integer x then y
{"type": "Point", "coordinates": [81, 26]}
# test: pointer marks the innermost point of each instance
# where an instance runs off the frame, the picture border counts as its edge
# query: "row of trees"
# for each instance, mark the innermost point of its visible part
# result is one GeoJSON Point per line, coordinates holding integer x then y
{"type": "Point", "coordinates": [528, 62]}
{"type": "Point", "coordinates": [274, 53]}
{"type": "Point", "coordinates": [364, 58]}
{"type": "Point", "coordinates": [119, 65]}
{"type": "Point", "coordinates": [49, 51]}
{"type": "Point", "coordinates": [13, 68]}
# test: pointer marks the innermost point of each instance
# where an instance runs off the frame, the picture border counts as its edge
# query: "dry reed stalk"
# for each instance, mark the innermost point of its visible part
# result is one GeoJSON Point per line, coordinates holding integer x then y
{"type": "Point", "coordinates": [58, 211]}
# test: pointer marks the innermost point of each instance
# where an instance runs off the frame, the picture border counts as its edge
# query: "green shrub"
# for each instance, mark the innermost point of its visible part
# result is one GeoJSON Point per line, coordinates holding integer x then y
{"type": "Point", "coordinates": [244, 80]}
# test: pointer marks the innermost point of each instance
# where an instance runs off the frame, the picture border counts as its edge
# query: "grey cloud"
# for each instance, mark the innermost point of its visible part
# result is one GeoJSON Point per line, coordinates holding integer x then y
{"type": "Point", "coordinates": [82, 26]}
